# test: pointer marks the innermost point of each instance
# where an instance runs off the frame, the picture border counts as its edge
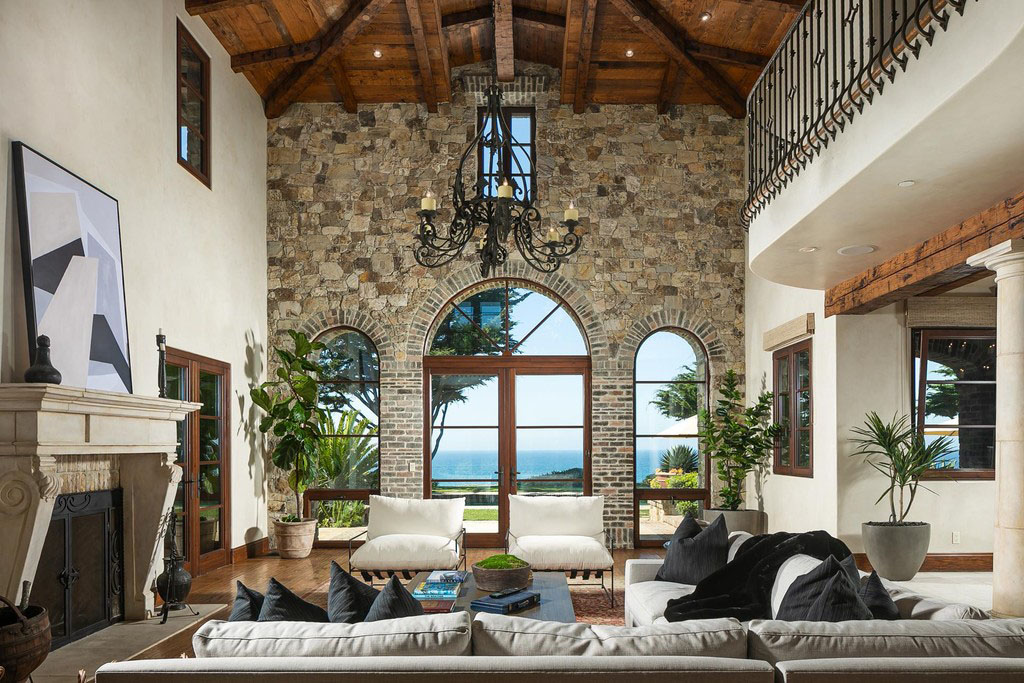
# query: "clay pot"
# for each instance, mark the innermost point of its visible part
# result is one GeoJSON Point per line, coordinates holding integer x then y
{"type": "Point", "coordinates": [294, 539]}
{"type": "Point", "coordinates": [752, 521]}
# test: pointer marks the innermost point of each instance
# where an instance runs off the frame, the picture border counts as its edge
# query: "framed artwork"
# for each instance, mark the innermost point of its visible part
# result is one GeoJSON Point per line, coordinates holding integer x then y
{"type": "Point", "coordinates": [74, 280]}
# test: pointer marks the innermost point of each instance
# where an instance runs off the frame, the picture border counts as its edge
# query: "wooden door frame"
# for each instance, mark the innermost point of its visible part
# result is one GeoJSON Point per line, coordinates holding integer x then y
{"type": "Point", "coordinates": [193, 364]}
{"type": "Point", "coordinates": [506, 368]}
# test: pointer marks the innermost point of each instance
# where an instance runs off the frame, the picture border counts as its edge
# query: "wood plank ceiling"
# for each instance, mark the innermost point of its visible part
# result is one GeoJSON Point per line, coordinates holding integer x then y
{"type": "Point", "coordinates": [660, 52]}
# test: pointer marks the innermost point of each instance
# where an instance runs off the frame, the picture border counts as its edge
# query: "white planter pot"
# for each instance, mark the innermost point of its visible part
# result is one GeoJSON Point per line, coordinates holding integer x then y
{"type": "Point", "coordinates": [896, 552]}
{"type": "Point", "coordinates": [294, 539]}
{"type": "Point", "coordinates": [752, 521]}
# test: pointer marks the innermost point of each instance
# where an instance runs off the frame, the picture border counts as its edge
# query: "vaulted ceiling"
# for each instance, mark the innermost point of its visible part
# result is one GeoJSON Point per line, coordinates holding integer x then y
{"type": "Point", "coordinates": [659, 52]}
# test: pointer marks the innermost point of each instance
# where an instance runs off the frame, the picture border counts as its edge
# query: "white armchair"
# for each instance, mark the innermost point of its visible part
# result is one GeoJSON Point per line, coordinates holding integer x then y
{"type": "Point", "coordinates": [562, 533]}
{"type": "Point", "coordinates": [408, 535]}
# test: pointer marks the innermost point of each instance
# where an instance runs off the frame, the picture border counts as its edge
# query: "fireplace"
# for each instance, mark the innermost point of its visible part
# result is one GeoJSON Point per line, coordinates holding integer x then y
{"type": "Point", "coordinates": [80, 576]}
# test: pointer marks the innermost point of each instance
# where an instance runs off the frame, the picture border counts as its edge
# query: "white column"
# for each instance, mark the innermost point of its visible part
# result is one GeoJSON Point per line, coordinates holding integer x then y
{"type": "Point", "coordinates": [1007, 260]}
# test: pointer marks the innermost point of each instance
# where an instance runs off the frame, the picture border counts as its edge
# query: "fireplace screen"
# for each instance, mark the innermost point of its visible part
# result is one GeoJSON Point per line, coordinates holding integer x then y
{"type": "Point", "coordinates": [79, 579]}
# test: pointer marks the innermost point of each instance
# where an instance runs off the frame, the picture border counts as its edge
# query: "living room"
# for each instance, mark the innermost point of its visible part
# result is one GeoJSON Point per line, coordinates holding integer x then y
{"type": "Point", "coordinates": [599, 301]}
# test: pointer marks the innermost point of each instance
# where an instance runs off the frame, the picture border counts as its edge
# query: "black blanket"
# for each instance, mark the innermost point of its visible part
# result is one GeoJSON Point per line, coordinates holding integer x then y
{"type": "Point", "coordinates": [742, 588]}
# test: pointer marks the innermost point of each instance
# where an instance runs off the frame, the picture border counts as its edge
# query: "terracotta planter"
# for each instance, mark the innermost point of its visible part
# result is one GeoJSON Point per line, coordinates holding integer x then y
{"type": "Point", "coordinates": [294, 539]}
{"type": "Point", "coordinates": [896, 551]}
{"type": "Point", "coordinates": [752, 521]}
{"type": "Point", "coordinates": [500, 579]}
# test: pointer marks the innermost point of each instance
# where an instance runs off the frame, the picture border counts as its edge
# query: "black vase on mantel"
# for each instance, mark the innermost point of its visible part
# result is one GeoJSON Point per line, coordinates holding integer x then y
{"type": "Point", "coordinates": [41, 371]}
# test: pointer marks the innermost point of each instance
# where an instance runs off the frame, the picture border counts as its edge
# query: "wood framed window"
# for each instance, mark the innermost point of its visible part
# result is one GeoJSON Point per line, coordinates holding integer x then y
{"type": "Point", "coordinates": [953, 394]}
{"type": "Point", "coordinates": [794, 410]}
{"type": "Point", "coordinates": [518, 162]}
{"type": "Point", "coordinates": [192, 81]}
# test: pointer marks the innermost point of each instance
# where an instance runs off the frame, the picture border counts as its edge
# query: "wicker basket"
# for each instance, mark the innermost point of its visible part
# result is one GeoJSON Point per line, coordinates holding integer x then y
{"type": "Point", "coordinates": [24, 640]}
{"type": "Point", "coordinates": [500, 579]}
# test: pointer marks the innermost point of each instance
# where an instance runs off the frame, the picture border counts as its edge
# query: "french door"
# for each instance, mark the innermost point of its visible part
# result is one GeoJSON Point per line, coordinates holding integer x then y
{"type": "Point", "coordinates": [502, 425]}
{"type": "Point", "coordinates": [203, 500]}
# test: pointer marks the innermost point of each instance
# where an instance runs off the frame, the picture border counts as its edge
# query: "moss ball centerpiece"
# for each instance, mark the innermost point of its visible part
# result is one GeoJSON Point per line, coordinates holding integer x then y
{"type": "Point", "coordinates": [499, 572]}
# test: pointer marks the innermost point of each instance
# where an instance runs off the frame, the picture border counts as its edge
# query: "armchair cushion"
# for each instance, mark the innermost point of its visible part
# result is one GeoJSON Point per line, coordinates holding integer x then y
{"type": "Point", "coordinates": [413, 516]}
{"type": "Point", "coordinates": [561, 552]}
{"type": "Point", "coordinates": [555, 515]}
{"type": "Point", "coordinates": [406, 551]}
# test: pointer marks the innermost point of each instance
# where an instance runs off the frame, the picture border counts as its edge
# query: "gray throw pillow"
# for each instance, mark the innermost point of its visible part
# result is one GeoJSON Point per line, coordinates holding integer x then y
{"type": "Point", "coordinates": [825, 593]}
{"type": "Point", "coordinates": [689, 559]}
{"type": "Point", "coordinates": [877, 598]}
{"type": "Point", "coordinates": [394, 601]}
{"type": "Point", "coordinates": [348, 598]}
{"type": "Point", "coordinates": [280, 604]}
{"type": "Point", "coordinates": [247, 605]}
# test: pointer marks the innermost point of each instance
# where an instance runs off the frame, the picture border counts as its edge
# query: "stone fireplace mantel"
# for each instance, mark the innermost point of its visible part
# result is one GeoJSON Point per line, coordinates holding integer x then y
{"type": "Point", "coordinates": [54, 440]}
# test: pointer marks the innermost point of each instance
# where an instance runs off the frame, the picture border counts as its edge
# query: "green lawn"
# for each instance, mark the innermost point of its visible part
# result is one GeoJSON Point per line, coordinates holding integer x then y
{"type": "Point", "coordinates": [481, 515]}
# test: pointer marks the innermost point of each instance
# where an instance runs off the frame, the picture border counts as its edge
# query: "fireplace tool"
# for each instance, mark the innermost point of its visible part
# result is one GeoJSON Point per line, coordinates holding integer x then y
{"type": "Point", "coordinates": [174, 584]}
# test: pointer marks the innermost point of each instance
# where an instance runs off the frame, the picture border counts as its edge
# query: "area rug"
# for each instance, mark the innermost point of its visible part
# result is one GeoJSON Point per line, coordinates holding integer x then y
{"type": "Point", "coordinates": [591, 606]}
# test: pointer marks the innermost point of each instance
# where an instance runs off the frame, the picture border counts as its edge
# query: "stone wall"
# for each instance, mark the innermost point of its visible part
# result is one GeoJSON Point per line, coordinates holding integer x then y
{"type": "Point", "coordinates": [659, 198]}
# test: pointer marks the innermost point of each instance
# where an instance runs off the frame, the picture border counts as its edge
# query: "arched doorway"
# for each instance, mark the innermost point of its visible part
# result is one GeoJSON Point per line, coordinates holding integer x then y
{"type": "Point", "coordinates": [506, 385]}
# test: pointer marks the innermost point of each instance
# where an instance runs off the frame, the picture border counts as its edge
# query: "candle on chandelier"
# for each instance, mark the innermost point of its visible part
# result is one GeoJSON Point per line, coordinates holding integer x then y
{"type": "Point", "coordinates": [552, 234]}
{"type": "Point", "coordinates": [571, 213]}
{"type": "Point", "coordinates": [428, 203]}
{"type": "Point", "coordinates": [505, 190]}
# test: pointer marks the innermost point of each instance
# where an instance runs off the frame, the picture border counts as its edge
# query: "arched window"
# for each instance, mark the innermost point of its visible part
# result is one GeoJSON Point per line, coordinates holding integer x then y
{"type": "Point", "coordinates": [508, 380]}
{"type": "Point", "coordinates": [348, 454]}
{"type": "Point", "coordinates": [670, 389]}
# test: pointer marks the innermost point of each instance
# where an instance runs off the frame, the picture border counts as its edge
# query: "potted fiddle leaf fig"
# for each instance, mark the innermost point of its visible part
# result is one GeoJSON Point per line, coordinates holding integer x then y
{"type": "Point", "coordinates": [294, 418]}
{"type": "Point", "coordinates": [896, 548]}
{"type": "Point", "coordinates": [739, 440]}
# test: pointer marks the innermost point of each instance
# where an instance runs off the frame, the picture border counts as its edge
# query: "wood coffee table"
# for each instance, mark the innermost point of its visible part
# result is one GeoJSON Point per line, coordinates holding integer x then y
{"type": "Point", "coordinates": [555, 601]}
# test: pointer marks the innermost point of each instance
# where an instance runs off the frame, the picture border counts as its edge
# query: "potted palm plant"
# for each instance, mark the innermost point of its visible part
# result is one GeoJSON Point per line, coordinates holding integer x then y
{"type": "Point", "coordinates": [896, 548]}
{"type": "Point", "coordinates": [739, 440]}
{"type": "Point", "coordinates": [294, 417]}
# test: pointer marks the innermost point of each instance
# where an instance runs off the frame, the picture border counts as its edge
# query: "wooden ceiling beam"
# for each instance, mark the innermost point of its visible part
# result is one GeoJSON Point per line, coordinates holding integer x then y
{"type": "Point", "coordinates": [438, 34]}
{"type": "Point", "coordinates": [674, 43]}
{"type": "Point", "coordinates": [586, 47]}
{"type": "Point", "coordinates": [725, 55]}
{"type": "Point", "coordinates": [937, 261]}
{"type": "Point", "coordinates": [793, 6]}
{"type": "Point", "coordinates": [339, 35]}
{"type": "Point", "coordinates": [504, 44]}
{"type": "Point", "coordinates": [482, 15]}
{"type": "Point", "coordinates": [669, 87]}
{"type": "Point", "coordinates": [286, 54]}
{"type": "Point", "coordinates": [195, 7]}
{"type": "Point", "coordinates": [344, 87]}
{"type": "Point", "coordinates": [419, 39]}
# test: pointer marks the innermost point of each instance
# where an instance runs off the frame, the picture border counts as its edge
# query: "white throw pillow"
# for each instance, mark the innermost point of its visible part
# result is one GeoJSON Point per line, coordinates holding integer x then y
{"type": "Point", "coordinates": [429, 634]}
{"type": "Point", "coordinates": [556, 515]}
{"type": "Point", "coordinates": [431, 517]}
{"type": "Point", "coordinates": [790, 570]}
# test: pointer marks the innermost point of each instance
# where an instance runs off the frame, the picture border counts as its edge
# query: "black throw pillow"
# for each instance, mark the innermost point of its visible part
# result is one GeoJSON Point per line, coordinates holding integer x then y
{"type": "Point", "coordinates": [280, 604]}
{"type": "Point", "coordinates": [849, 566]}
{"type": "Point", "coordinates": [248, 604]}
{"type": "Point", "coordinates": [394, 601]}
{"type": "Point", "coordinates": [819, 596]}
{"type": "Point", "coordinates": [878, 600]}
{"type": "Point", "coordinates": [348, 599]}
{"type": "Point", "coordinates": [689, 559]}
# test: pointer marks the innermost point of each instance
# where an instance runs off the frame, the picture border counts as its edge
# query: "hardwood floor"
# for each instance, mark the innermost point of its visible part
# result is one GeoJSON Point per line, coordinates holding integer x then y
{"type": "Point", "coordinates": [301, 577]}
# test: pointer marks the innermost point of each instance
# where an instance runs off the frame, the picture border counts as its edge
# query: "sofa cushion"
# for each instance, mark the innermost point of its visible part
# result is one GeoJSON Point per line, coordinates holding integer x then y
{"type": "Point", "coordinates": [913, 605]}
{"type": "Point", "coordinates": [247, 605]}
{"type": "Point", "coordinates": [393, 602]}
{"type": "Point", "coordinates": [561, 552]}
{"type": "Point", "coordinates": [280, 604]}
{"type": "Point", "coordinates": [555, 515]}
{"type": "Point", "coordinates": [430, 517]}
{"type": "Point", "coordinates": [688, 560]}
{"type": "Point", "coordinates": [647, 600]}
{"type": "Point", "coordinates": [777, 641]}
{"type": "Point", "coordinates": [406, 551]}
{"type": "Point", "coordinates": [431, 634]}
{"type": "Point", "coordinates": [500, 635]}
{"type": "Point", "coordinates": [348, 599]}
{"type": "Point", "coordinates": [826, 593]}
{"type": "Point", "coordinates": [877, 599]}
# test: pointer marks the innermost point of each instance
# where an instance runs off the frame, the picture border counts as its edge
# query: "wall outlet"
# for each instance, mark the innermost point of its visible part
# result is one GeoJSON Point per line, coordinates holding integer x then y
{"type": "Point", "coordinates": [956, 537]}
{"type": "Point", "coordinates": [412, 468]}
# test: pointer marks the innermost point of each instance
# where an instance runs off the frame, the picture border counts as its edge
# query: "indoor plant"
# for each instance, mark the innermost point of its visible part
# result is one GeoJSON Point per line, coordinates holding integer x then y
{"type": "Point", "coordinates": [499, 572]}
{"type": "Point", "coordinates": [294, 417]}
{"type": "Point", "coordinates": [897, 548]}
{"type": "Point", "coordinates": [739, 440]}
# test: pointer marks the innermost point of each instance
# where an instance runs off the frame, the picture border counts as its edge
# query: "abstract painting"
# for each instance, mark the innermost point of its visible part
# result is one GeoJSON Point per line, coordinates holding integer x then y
{"type": "Point", "coordinates": [74, 280]}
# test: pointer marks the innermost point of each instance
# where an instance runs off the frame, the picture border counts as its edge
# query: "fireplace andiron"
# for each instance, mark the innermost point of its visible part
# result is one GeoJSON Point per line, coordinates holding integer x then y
{"type": "Point", "coordinates": [174, 584]}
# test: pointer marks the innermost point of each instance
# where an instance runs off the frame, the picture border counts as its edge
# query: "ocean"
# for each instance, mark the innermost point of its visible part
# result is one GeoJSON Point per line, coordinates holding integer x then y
{"type": "Point", "coordinates": [481, 464]}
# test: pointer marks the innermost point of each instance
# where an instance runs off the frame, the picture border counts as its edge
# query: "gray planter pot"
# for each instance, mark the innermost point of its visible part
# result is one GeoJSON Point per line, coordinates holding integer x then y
{"type": "Point", "coordinates": [752, 521]}
{"type": "Point", "coordinates": [896, 551]}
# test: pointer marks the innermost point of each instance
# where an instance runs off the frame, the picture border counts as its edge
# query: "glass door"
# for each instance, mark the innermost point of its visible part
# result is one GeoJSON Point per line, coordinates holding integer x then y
{"type": "Point", "coordinates": [203, 498]}
{"type": "Point", "coordinates": [550, 438]}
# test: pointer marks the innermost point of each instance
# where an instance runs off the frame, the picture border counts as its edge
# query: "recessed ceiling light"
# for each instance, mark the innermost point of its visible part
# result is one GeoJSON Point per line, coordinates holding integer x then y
{"type": "Point", "coordinates": [856, 250]}
{"type": "Point", "coordinates": [807, 250]}
{"type": "Point", "coordinates": [629, 53]}
{"type": "Point", "coordinates": [636, 17]}
{"type": "Point", "coordinates": [378, 54]}
{"type": "Point", "coordinates": [366, 17]}
{"type": "Point", "coordinates": [704, 16]}
{"type": "Point", "coordinates": [906, 183]}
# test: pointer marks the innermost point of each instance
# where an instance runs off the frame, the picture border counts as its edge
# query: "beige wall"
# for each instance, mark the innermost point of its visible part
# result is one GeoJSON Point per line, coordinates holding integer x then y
{"type": "Point", "coordinates": [91, 85]}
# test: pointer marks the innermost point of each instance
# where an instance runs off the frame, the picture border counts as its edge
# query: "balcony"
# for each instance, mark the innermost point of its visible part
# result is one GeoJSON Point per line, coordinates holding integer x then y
{"type": "Point", "coordinates": [862, 96]}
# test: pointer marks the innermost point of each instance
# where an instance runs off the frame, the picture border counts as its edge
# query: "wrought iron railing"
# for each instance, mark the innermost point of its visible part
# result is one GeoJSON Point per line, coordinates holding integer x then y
{"type": "Point", "coordinates": [835, 59]}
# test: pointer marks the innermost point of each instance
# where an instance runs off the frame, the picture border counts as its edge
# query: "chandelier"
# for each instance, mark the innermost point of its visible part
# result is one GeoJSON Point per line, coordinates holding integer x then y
{"type": "Point", "coordinates": [499, 210]}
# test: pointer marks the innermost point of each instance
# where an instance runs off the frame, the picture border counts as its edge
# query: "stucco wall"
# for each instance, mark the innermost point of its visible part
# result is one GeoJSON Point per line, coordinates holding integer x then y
{"type": "Point", "coordinates": [91, 85]}
{"type": "Point", "coordinates": [659, 197]}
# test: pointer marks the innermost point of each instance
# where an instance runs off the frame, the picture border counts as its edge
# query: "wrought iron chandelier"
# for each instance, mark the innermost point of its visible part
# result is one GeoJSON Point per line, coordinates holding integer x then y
{"type": "Point", "coordinates": [499, 209]}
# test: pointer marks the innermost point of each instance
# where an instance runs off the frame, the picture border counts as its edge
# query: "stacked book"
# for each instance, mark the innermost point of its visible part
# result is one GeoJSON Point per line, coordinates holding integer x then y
{"type": "Point", "coordinates": [440, 591]}
{"type": "Point", "coordinates": [507, 603]}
